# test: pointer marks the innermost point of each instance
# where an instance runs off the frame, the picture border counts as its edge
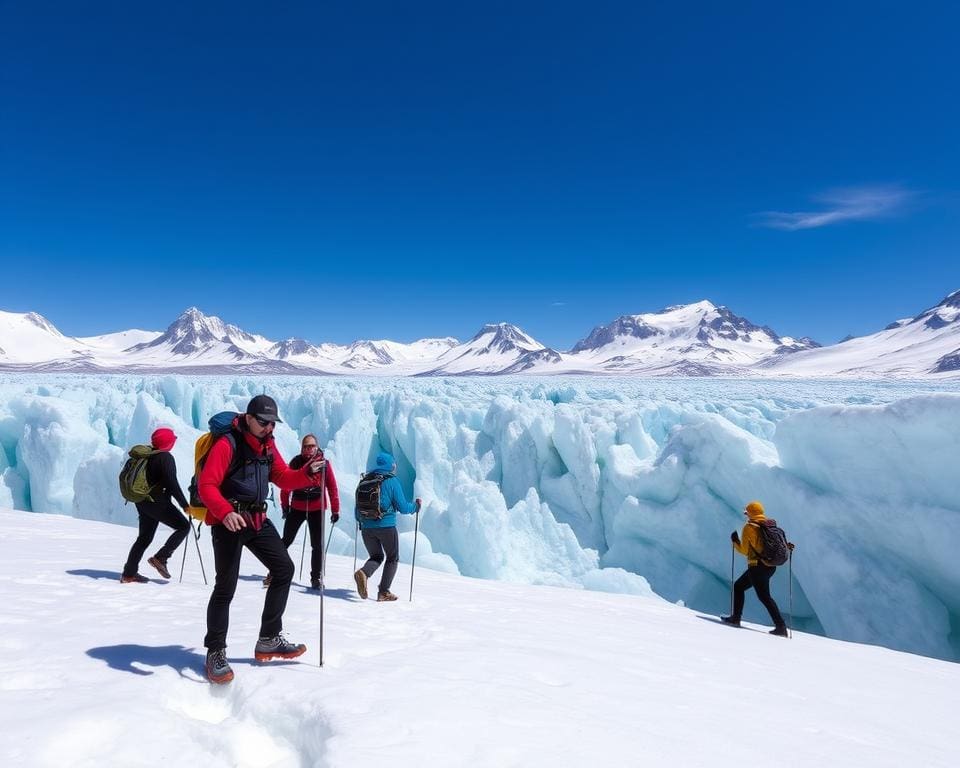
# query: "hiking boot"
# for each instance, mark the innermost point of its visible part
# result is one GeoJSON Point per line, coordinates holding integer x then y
{"type": "Point", "coordinates": [218, 669]}
{"type": "Point", "coordinates": [386, 597]}
{"type": "Point", "coordinates": [277, 647]}
{"type": "Point", "coordinates": [361, 578]}
{"type": "Point", "coordinates": [268, 580]}
{"type": "Point", "coordinates": [779, 632]}
{"type": "Point", "coordinates": [160, 565]}
{"type": "Point", "coordinates": [733, 621]}
{"type": "Point", "coordinates": [315, 584]}
{"type": "Point", "coordinates": [134, 579]}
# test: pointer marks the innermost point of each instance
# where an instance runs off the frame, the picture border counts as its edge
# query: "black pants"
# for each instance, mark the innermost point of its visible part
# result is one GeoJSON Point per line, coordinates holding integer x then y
{"type": "Point", "coordinates": [380, 542]}
{"type": "Point", "coordinates": [268, 548]}
{"type": "Point", "coordinates": [151, 514]}
{"type": "Point", "coordinates": [758, 577]}
{"type": "Point", "coordinates": [291, 527]}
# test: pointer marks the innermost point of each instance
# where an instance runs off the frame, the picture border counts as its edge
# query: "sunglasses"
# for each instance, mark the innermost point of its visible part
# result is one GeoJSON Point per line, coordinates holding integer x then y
{"type": "Point", "coordinates": [263, 422]}
{"type": "Point", "coordinates": [308, 446]}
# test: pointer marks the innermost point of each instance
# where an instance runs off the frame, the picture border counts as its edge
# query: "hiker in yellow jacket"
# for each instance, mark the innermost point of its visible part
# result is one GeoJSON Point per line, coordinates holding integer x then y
{"type": "Point", "coordinates": [758, 573]}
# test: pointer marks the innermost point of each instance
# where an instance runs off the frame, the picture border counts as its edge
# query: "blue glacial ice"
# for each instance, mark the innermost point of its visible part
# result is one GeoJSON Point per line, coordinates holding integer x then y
{"type": "Point", "coordinates": [615, 484]}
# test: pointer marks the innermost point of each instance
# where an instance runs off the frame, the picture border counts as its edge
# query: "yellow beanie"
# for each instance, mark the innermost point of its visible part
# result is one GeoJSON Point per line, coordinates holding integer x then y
{"type": "Point", "coordinates": [754, 509]}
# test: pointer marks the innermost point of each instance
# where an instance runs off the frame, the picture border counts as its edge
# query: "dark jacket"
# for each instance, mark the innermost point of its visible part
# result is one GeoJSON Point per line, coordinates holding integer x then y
{"type": "Point", "coordinates": [162, 476]}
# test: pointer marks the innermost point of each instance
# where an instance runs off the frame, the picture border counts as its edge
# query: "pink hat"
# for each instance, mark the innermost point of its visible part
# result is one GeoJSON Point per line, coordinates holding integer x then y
{"type": "Point", "coordinates": [163, 439]}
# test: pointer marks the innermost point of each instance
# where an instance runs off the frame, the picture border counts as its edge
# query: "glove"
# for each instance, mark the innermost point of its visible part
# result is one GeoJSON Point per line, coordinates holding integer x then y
{"type": "Point", "coordinates": [314, 467]}
{"type": "Point", "coordinates": [334, 516]}
{"type": "Point", "coordinates": [735, 538]}
{"type": "Point", "coordinates": [285, 510]}
{"type": "Point", "coordinates": [419, 504]}
{"type": "Point", "coordinates": [790, 546]}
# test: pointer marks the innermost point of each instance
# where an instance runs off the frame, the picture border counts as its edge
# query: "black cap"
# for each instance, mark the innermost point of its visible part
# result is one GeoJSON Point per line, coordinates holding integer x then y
{"type": "Point", "coordinates": [263, 407]}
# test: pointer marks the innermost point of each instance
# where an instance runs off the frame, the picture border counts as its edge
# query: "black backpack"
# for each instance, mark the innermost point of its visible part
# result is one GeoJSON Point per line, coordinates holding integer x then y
{"type": "Point", "coordinates": [368, 496]}
{"type": "Point", "coordinates": [774, 542]}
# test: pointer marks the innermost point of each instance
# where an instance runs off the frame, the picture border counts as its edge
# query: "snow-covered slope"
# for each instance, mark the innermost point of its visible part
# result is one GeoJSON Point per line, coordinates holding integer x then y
{"type": "Point", "coordinates": [471, 673]}
{"type": "Point", "coordinates": [926, 344]}
{"type": "Point", "coordinates": [30, 338]}
{"type": "Point", "coordinates": [688, 339]}
{"type": "Point", "coordinates": [117, 343]}
{"type": "Point", "coordinates": [496, 348]}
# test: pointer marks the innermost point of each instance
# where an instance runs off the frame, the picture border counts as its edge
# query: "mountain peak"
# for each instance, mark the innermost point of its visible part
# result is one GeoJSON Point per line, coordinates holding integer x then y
{"type": "Point", "coordinates": [506, 337]}
{"type": "Point", "coordinates": [623, 326]}
{"type": "Point", "coordinates": [40, 321]}
{"type": "Point", "coordinates": [952, 300]}
{"type": "Point", "coordinates": [704, 305]}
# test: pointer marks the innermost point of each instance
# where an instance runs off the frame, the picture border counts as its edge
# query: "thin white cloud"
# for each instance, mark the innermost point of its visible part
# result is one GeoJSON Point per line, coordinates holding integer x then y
{"type": "Point", "coordinates": [848, 204]}
{"type": "Point", "coordinates": [559, 304]}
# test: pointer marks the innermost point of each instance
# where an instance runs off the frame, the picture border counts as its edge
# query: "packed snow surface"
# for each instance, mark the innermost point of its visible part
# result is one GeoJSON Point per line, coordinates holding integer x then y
{"type": "Point", "coordinates": [617, 485]}
{"type": "Point", "coordinates": [470, 673]}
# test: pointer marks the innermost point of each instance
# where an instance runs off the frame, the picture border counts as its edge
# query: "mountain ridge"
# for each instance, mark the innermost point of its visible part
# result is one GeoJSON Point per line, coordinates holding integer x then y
{"type": "Point", "coordinates": [696, 339]}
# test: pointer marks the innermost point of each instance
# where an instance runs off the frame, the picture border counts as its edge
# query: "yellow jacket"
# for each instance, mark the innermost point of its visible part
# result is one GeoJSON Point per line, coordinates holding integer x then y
{"type": "Point", "coordinates": [751, 545]}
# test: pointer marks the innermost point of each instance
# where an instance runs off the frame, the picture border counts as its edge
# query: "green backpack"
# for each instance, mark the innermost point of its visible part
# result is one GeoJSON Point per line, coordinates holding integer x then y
{"type": "Point", "coordinates": [133, 477]}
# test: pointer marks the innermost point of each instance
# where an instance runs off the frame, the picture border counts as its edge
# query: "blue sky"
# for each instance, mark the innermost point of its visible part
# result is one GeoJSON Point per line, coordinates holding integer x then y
{"type": "Point", "coordinates": [407, 169]}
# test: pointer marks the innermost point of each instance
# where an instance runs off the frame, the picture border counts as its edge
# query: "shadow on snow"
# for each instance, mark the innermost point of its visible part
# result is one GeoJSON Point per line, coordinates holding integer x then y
{"type": "Point", "coordinates": [177, 657]}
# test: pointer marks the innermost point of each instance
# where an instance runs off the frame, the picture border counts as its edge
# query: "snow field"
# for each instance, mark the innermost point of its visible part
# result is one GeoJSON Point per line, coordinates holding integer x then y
{"type": "Point", "coordinates": [477, 673]}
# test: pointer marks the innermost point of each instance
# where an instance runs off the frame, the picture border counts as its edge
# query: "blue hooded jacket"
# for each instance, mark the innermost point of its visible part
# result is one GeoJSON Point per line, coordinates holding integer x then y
{"type": "Point", "coordinates": [392, 499]}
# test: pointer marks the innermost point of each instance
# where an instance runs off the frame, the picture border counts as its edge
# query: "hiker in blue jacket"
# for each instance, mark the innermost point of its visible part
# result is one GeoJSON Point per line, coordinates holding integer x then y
{"type": "Point", "coordinates": [380, 536]}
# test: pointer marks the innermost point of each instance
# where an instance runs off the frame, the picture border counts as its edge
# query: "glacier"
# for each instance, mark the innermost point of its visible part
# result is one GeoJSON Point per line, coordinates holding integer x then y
{"type": "Point", "coordinates": [610, 484]}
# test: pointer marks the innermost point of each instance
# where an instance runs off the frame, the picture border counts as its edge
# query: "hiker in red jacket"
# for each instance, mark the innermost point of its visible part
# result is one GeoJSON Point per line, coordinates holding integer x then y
{"type": "Point", "coordinates": [234, 493]}
{"type": "Point", "coordinates": [309, 504]}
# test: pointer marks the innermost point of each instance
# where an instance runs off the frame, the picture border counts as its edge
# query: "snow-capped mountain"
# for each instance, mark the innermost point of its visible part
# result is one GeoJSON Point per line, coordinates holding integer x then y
{"type": "Point", "coordinates": [195, 335]}
{"type": "Point", "coordinates": [497, 348]}
{"type": "Point", "coordinates": [926, 344]}
{"type": "Point", "coordinates": [698, 339]}
{"type": "Point", "coordinates": [29, 338]}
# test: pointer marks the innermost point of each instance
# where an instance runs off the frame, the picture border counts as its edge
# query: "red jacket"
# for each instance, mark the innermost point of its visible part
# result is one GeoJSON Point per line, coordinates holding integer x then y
{"type": "Point", "coordinates": [218, 461]}
{"type": "Point", "coordinates": [314, 505]}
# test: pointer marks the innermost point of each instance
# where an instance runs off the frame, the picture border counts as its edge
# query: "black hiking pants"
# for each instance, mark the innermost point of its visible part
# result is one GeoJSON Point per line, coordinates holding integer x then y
{"type": "Point", "coordinates": [382, 542]}
{"type": "Point", "coordinates": [268, 548]}
{"type": "Point", "coordinates": [151, 514]}
{"type": "Point", "coordinates": [291, 527]}
{"type": "Point", "coordinates": [757, 576]}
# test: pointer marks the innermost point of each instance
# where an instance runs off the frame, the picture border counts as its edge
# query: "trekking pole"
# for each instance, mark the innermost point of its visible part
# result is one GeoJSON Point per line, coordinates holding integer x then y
{"type": "Point", "coordinates": [322, 585]}
{"type": "Point", "coordinates": [731, 580]}
{"type": "Point", "coordinates": [323, 511]}
{"type": "Point", "coordinates": [196, 541]}
{"type": "Point", "coordinates": [790, 589]}
{"type": "Point", "coordinates": [327, 547]}
{"type": "Point", "coordinates": [304, 547]}
{"type": "Point", "coordinates": [184, 561]}
{"type": "Point", "coordinates": [413, 562]}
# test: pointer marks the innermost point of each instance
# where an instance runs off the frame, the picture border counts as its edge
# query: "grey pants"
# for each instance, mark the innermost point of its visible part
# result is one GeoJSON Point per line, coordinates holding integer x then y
{"type": "Point", "coordinates": [380, 542]}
